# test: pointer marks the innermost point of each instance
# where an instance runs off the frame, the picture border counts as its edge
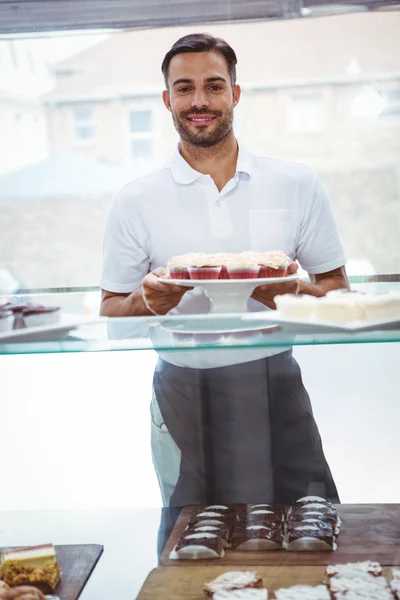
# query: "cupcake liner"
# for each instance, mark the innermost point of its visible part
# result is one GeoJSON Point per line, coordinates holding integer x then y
{"type": "Point", "coordinates": [204, 272]}
{"type": "Point", "coordinates": [243, 272]}
{"type": "Point", "coordinates": [179, 273]}
{"type": "Point", "coordinates": [271, 272]}
{"type": "Point", "coordinates": [224, 273]}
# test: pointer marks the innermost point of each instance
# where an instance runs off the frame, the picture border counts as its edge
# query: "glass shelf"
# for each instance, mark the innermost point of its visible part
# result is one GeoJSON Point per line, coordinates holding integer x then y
{"type": "Point", "coordinates": [183, 334]}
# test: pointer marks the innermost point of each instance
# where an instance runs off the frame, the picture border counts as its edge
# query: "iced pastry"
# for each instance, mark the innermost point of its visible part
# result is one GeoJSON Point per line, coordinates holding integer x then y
{"type": "Point", "coordinates": [233, 580]}
{"type": "Point", "coordinates": [310, 537]}
{"type": "Point", "coordinates": [303, 592]}
{"type": "Point", "coordinates": [258, 538]}
{"type": "Point", "coordinates": [382, 306]}
{"type": "Point", "coordinates": [244, 594]}
{"type": "Point", "coordinates": [296, 306]}
{"type": "Point", "coordinates": [223, 531]}
{"type": "Point", "coordinates": [273, 264]}
{"type": "Point", "coordinates": [338, 309]}
{"type": "Point", "coordinates": [31, 565]}
{"type": "Point", "coordinates": [367, 566]}
{"type": "Point", "coordinates": [197, 546]}
{"type": "Point", "coordinates": [241, 266]}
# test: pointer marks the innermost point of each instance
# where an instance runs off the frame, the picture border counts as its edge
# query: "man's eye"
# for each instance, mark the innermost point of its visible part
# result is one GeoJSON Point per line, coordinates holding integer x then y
{"type": "Point", "coordinates": [215, 88]}
{"type": "Point", "coordinates": [183, 90]}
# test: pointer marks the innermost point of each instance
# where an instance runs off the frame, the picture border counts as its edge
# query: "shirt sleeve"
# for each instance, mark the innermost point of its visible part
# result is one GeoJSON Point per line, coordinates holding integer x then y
{"type": "Point", "coordinates": [125, 262]}
{"type": "Point", "coordinates": [319, 249]}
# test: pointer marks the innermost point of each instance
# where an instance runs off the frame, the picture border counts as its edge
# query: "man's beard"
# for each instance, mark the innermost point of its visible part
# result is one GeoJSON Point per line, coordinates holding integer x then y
{"type": "Point", "coordinates": [202, 137]}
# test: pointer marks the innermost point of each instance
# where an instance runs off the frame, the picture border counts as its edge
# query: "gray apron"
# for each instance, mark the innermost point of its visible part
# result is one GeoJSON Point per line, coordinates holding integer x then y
{"type": "Point", "coordinates": [246, 433]}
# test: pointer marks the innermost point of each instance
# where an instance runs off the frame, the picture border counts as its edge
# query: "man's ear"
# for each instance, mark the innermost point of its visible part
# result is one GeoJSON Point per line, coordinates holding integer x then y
{"type": "Point", "coordinates": [236, 94]}
{"type": "Point", "coordinates": [166, 99]}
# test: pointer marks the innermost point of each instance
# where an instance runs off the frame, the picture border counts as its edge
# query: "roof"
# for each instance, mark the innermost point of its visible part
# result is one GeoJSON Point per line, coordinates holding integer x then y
{"type": "Point", "coordinates": [67, 175]}
{"type": "Point", "coordinates": [272, 51]}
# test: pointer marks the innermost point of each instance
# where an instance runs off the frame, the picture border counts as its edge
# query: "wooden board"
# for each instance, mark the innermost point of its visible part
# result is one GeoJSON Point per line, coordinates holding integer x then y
{"type": "Point", "coordinates": [368, 531]}
{"type": "Point", "coordinates": [77, 563]}
{"type": "Point", "coordinates": [185, 583]}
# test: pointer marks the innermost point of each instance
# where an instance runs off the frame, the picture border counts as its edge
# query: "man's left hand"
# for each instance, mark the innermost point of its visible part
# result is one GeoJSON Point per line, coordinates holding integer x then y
{"type": "Point", "coordinates": [266, 293]}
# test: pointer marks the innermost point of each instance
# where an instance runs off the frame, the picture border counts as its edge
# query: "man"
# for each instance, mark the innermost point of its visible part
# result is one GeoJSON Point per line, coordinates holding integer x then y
{"type": "Point", "coordinates": [233, 426]}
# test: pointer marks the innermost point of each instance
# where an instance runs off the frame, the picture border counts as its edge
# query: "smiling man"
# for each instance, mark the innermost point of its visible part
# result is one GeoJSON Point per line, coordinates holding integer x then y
{"type": "Point", "coordinates": [228, 426]}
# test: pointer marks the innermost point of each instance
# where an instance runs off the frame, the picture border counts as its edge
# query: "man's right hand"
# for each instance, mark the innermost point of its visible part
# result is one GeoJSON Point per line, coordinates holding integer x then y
{"type": "Point", "coordinates": [162, 297]}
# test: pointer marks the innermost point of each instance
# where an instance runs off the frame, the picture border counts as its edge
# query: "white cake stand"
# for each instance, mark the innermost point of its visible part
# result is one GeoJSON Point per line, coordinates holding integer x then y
{"type": "Point", "coordinates": [229, 295]}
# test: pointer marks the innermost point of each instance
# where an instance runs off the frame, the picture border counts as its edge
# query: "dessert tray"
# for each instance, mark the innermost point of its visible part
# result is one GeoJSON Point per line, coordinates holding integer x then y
{"type": "Point", "coordinates": [293, 325]}
{"type": "Point", "coordinates": [229, 295]}
{"type": "Point", "coordinates": [67, 323]}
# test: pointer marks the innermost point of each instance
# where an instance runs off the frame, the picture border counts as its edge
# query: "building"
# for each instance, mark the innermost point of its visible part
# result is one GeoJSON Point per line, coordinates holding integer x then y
{"type": "Point", "coordinates": [24, 77]}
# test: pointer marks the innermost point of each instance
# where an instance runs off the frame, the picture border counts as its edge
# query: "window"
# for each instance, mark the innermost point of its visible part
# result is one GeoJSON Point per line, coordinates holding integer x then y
{"type": "Point", "coordinates": [83, 122]}
{"type": "Point", "coordinates": [305, 113]}
{"type": "Point", "coordinates": [141, 133]}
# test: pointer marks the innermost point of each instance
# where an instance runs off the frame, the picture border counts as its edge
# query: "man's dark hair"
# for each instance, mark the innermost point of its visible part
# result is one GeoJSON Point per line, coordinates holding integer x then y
{"type": "Point", "coordinates": [201, 42]}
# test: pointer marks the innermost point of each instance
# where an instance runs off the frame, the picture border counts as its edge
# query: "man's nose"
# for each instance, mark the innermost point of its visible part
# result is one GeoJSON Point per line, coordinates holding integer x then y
{"type": "Point", "coordinates": [199, 99]}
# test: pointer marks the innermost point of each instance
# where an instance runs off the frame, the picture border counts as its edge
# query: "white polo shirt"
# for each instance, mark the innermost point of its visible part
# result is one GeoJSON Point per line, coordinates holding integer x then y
{"type": "Point", "coordinates": [269, 204]}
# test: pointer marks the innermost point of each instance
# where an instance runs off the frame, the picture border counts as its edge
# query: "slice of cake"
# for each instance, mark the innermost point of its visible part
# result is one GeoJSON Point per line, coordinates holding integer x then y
{"type": "Point", "coordinates": [33, 565]}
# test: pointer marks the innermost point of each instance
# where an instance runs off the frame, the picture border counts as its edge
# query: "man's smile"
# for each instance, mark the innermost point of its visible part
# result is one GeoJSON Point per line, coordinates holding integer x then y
{"type": "Point", "coordinates": [201, 119]}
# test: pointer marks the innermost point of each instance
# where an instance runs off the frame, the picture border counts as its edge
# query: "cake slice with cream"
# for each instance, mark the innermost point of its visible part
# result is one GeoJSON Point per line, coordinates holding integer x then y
{"type": "Point", "coordinates": [33, 565]}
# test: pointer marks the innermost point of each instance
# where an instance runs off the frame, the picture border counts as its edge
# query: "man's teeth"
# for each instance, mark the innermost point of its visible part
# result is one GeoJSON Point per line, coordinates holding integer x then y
{"type": "Point", "coordinates": [200, 119]}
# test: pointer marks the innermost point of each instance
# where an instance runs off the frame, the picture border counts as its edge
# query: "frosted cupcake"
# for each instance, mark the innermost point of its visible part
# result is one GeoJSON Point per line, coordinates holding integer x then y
{"type": "Point", "coordinates": [242, 266]}
{"type": "Point", "coordinates": [177, 267]}
{"type": "Point", "coordinates": [205, 266]}
{"type": "Point", "coordinates": [6, 320]}
{"type": "Point", "coordinates": [296, 306]}
{"type": "Point", "coordinates": [273, 264]}
{"type": "Point", "coordinates": [37, 315]}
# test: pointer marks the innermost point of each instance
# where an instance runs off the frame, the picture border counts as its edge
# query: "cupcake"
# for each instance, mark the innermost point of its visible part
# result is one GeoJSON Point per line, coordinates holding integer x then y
{"type": "Point", "coordinates": [37, 315]}
{"type": "Point", "coordinates": [242, 266]}
{"type": "Point", "coordinates": [296, 306]}
{"type": "Point", "coordinates": [273, 264]}
{"type": "Point", "coordinates": [177, 267]}
{"type": "Point", "coordinates": [205, 266]}
{"type": "Point", "coordinates": [6, 320]}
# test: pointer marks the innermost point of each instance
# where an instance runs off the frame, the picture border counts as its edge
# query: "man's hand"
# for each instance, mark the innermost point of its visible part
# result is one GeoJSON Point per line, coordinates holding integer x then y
{"type": "Point", "coordinates": [266, 293]}
{"type": "Point", "coordinates": [162, 297]}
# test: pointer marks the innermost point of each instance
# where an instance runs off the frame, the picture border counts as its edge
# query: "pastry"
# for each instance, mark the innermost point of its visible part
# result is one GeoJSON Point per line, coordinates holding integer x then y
{"type": "Point", "coordinates": [303, 592]}
{"type": "Point", "coordinates": [195, 546]}
{"type": "Point", "coordinates": [310, 536]}
{"type": "Point", "coordinates": [296, 306]}
{"type": "Point", "coordinates": [244, 594]}
{"type": "Point", "coordinates": [258, 538]}
{"type": "Point", "coordinates": [31, 565]}
{"type": "Point", "coordinates": [233, 580]}
{"type": "Point", "coordinates": [367, 566]}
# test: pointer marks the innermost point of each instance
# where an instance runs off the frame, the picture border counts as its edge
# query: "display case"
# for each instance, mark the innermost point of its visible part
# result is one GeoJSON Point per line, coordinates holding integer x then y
{"type": "Point", "coordinates": [92, 460]}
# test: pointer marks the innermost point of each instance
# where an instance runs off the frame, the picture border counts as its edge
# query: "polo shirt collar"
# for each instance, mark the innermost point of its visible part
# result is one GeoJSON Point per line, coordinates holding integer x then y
{"type": "Point", "coordinates": [184, 174]}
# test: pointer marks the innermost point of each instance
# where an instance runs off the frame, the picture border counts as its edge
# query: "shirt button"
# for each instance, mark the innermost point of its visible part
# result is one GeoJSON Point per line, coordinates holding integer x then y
{"type": "Point", "coordinates": [218, 203]}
